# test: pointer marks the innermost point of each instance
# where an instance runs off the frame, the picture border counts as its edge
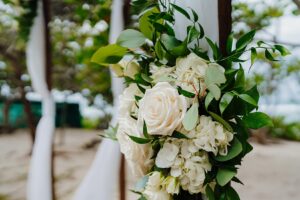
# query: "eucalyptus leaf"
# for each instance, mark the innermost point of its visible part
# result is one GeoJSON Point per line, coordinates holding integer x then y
{"type": "Point", "coordinates": [234, 150]}
{"type": "Point", "coordinates": [215, 91]}
{"type": "Point", "coordinates": [141, 184]}
{"type": "Point", "coordinates": [191, 117]}
{"type": "Point", "coordinates": [224, 176]}
{"type": "Point", "coordinates": [257, 120]}
{"type": "Point", "coordinates": [131, 39]}
{"type": "Point", "coordinates": [110, 54]}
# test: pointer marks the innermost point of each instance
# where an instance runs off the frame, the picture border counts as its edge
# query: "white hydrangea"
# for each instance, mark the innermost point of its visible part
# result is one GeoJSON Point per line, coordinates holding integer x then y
{"type": "Point", "coordinates": [211, 136]}
{"type": "Point", "coordinates": [189, 165]}
{"type": "Point", "coordinates": [161, 73]}
{"type": "Point", "coordinates": [154, 189]}
{"type": "Point", "coordinates": [190, 73]}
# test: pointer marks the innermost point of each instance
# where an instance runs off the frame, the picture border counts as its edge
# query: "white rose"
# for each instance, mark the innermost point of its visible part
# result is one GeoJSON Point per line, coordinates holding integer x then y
{"type": "Point", "coordinates": [127, 101]}
{"type": "Point", "coordinates": [190, 73]}
{"type": "Point", "coordinates": [126, 68]}
{"type": "Point", "coordinates": [138, 156]}
{"type": "Point", "coordinates": [166, 155]}
{"type": "Point", "coordinates": [172, 185]}
{"type": "Point", "coordinates": [162, 108]}
{"type": "Point", "coordinates": [153, 190]}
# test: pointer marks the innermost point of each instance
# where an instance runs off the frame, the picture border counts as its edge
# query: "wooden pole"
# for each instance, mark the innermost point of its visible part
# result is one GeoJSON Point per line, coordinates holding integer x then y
{"type": "Point", "coordinates": [225, 23]}
{"type": "Point", "coordinates": [48, 65]}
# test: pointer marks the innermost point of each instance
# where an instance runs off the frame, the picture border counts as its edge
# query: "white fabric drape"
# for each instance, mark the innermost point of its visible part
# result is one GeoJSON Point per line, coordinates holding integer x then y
{"type": "Point", "coordinates": [101, 180]}
{"type": "Point", "coordinates": [208, 18]}
{"type": "Point", "coordinates": [39, 177]}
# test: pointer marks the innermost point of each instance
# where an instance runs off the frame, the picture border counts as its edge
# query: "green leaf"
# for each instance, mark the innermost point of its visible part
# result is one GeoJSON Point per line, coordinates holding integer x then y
{"type": "Point", "coordinates": [209, 193]}
{"type": "Point", "coordinates": [145, 131]}
{"type": "Point", "coordinates": [139, 140]}
{"type": "Point", "coordinates": [253, 55]}
{"type": "Point", "coordinates": [159, 51]}
{"type": "Point", "coordinates": [240, 78]}
{"type": "Point", "coordinates": [195, 15]}
{"type": "Point", "coordinates": [214, 75]}
{"type": "Point", "coordinates": [225, 101]}
{"type": "Point", "coordinates": [110, 54]}
{"type": "Point", "coordinates": [145, 25]}
{"type": "Point", "coordinates": [185, 93]}
{"type": "Point", "coordinates": [215, 48]}
{"type": "Point", "coordinates": [181, 10]}
{"type": "Point", "coordinates": [224, 176]}
{"type": "Point", "coordinates": [269, 55]}
{"type": "Point", "coordinates": [191, 117]}
{"type": "Point", "coordinates": [179, 135]}
{"type": "Point", "coordinates": [141, 184]}
{"type": "Point", "coordinates": [208, 99]}
{"type": "Point", "coordinates": [193, 34]}
{"type": "Point", "coordinates": [283, 51]}
{"type": "Point", "coordinates": [229, 44]}
{"type": "Point", "coordinates": [235, 149]}
{"type": "Point", "coordinates": [174, 46]}
{"type": "Point", "coordinates": [131, 39]}
{"type": "Point", "coordinates": [245, 40]}
{"type": "Point", "coordinates": [146, 78]}
{"type": "Point", "coordinates": [221, 120]}
{"type": "Point", "coordinates": [248, 99]}
{"type": "Point", "coordinates": [257, 120]}
{"type": "Point", "coordinates": [215, 91]}
{"type": "Point", "coordinates": [231, 194]}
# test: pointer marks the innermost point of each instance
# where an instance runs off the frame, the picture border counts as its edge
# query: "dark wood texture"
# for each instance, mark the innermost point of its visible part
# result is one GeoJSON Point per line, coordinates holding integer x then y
{"type": "Point", "coordinates": [225, 22]}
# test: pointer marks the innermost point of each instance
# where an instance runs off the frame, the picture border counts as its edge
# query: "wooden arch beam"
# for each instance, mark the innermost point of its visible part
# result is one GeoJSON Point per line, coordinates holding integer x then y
{"type": "Point", "coordinates": [225, 22]}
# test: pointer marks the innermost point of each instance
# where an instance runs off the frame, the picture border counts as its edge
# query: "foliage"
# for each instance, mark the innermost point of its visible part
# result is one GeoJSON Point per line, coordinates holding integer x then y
{"type": "Point", "coordinates": [282, 129]}
{"type": "Point", "coordinates": [228, 101]}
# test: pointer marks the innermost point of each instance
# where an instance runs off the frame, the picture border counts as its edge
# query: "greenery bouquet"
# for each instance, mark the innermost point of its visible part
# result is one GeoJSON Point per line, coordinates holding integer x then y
{"type": "Point", "coordinates": [184, 116]}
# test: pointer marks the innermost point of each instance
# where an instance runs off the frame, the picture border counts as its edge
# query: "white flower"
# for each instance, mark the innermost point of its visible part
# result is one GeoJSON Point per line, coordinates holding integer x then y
{"type": "Point", "coordinates": [126, 68]}
{"type": "Point", "coordinates": [190, 73]}
{"type": "Point", "coordinates": [137, 155]}
{"type": "Point", "coordinates": [160, 74]}
{"type": "Point", "coordinates": [211, 136]}
{"type": "Point", "coordinates": [162, 108]}
{"type": "Point", "coordinates": [154, 190]}
{"type": "Point", "coordinates": [194, 172]}
{"type": "Point", "coordinates": [172, 185]}
{"type": "Point", "coordinates": [127, 101]}
{"type": "Point", "coordinates": [167, 155]}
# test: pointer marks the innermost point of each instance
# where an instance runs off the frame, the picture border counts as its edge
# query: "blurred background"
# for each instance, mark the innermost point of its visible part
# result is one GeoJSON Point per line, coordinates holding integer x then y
{"type": "Point", "coordinates": [84, 101]}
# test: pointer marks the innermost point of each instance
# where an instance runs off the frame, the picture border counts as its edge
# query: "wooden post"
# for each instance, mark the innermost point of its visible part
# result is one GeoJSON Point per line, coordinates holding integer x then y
{"type": "Point", "coordinates": [48, 71]}
{"type": "Point", "coordinates": [225, 23]}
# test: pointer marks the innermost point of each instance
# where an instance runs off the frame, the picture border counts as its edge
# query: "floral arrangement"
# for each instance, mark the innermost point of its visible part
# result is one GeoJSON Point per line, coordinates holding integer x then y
{"type": "Point", "coordinates": [184, 116]}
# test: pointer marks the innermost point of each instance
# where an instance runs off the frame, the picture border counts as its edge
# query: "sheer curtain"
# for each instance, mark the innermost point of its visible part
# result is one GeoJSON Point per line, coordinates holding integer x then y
{"type": "Point", "coordinates": [39, 177]}
{"type": "Point", "coordinates": [101, 180]}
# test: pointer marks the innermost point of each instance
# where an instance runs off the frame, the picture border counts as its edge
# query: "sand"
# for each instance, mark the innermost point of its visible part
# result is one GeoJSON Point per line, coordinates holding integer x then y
{"type": "Point", "coordinates": [270, 172]}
